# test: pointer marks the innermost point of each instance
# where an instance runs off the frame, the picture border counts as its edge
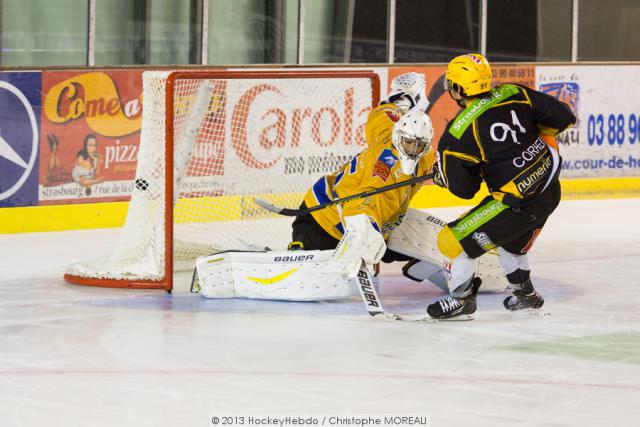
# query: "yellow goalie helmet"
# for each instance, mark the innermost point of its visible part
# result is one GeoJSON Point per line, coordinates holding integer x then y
{"type": "Point", "coordinates": [471, 73]}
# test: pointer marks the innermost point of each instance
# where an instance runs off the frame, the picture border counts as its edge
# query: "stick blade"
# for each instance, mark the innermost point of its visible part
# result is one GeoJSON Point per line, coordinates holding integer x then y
{"type": "Point", "coordinates": [277, 209]}
{"type": "Point", "coordinates": [267, 205]}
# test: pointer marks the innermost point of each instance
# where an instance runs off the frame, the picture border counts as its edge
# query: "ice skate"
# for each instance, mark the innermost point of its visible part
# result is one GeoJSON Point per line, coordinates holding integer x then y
{"type": "Point", "coordinates": [453, 308]}
{"type": "Point", "coordinates": [519, 301]}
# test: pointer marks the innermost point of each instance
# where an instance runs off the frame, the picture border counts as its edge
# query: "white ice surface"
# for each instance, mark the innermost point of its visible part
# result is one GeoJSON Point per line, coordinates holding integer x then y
{"type": "Point", "coordinates": [81, 356]}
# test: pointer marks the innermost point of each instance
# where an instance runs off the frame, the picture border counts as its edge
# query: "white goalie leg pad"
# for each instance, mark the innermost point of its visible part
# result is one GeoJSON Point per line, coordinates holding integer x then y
{"type": "Point", "coordinates": [360, 242]}
{"type": "Point", "coordinates": [274, 275]}
{"type": "Point", "coordinates": [489, 270]}
{"type": "Point", "coordinates": [417, 237]}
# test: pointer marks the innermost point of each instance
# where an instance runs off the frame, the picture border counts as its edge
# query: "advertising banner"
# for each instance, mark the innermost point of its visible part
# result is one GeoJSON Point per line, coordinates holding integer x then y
{"type": "Point", "coordinates": [89, 128]}
{"type": "Point", "coordinates": [606, 140]}
{"type": "Point", "coordinates": [19, 130]}
{"type": "Point", "coordinates": [90, 135]}
{"type": "Point", "coordinates": [294, 130]}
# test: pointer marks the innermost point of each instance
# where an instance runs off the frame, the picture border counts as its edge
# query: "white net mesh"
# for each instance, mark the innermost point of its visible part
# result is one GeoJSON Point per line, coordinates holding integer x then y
{"type": "Point", "coordinates": [247, 137]}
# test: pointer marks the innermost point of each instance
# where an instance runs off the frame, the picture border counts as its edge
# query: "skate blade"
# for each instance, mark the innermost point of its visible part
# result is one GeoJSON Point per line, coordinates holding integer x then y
{"type": "Point", "coordinates": [461, 318]}
{"type": "Point", "coordinates": [532, 312]}
{"type": "Point", "coordinates": [406, 318]}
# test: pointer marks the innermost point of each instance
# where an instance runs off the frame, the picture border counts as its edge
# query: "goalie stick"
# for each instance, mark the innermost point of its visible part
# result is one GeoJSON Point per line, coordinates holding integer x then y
{"type": "Point", "coordinates": [372, 302]}
{"type": "Point", "coordinates": [295, 212]}
{"type": "Point", "coordinates": [437, 90]}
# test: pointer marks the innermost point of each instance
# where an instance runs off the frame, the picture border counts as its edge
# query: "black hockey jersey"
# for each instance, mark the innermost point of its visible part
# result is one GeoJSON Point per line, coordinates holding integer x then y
{"type": "Point", "coordinates": [497, 138]}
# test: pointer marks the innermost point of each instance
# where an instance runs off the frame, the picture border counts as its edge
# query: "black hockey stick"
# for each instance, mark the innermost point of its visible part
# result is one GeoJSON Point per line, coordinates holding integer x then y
{"type": "Point", "coordinates": [295, 212]}
{"type": "Point", "coordinates": [372, 303]}
{"type": "Point", "coordinates": [437, 90]}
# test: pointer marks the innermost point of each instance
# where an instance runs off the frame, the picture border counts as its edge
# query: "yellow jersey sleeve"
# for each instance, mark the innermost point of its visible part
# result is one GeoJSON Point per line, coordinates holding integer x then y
{"type": "Point", "coordinates": [380, 124]}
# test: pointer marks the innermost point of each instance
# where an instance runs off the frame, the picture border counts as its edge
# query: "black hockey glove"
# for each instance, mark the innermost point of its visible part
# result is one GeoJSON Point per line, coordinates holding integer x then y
{"type": "Point", "coordinates": [437, 177]}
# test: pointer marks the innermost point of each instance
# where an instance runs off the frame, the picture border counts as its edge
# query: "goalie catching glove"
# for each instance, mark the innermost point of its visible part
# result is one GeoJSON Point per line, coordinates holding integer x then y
{"type": "Point", "coordinates": [407, 91]}
{"type": "Point", "coordinates": [360, 242]}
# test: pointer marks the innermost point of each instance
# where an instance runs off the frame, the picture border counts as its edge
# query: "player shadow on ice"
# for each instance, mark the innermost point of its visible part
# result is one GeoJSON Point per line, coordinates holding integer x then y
{"type": "Point", "coordinates": [397, 293]}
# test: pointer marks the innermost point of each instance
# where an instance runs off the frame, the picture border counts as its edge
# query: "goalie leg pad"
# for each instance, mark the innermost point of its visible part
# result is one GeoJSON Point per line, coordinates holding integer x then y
{"type": "Point", "coordinates": [277, 275]}
{"type": "Point", "coordinates": [417, 237]}
{"type": "Point", "coordinates": [489, 270]}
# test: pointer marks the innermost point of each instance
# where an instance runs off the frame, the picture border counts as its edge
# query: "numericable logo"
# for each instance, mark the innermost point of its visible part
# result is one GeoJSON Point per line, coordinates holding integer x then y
{"type": "Point", "coordinates": [7, 150]}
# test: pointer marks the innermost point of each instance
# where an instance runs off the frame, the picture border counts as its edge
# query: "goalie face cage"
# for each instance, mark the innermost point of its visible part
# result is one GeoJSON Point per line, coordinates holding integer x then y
{"type": "Point", "coordinates": [202, 159]}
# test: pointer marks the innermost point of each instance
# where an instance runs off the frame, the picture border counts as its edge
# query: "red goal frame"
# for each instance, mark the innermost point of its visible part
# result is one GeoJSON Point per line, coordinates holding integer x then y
{"type": "Point", "coordinates": [166, 282]}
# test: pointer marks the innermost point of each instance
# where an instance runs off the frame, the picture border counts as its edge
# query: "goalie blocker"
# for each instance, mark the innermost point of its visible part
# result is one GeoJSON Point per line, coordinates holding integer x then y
{"type": "Point", "coordinates": [326, 274]}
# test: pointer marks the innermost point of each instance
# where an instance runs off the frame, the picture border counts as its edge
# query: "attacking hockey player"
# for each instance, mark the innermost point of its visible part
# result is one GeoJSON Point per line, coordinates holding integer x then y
{"type": "Point", "coordinates": [329, 245]}
{"type": "Point", "coordinates": [503, 136]}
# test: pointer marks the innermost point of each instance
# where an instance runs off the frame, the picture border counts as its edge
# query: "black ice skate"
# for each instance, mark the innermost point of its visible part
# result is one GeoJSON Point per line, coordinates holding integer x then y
{"type": "Point", "coordinates": [520, 301]}
{"type": "Point", "coordinates": [453, 308]}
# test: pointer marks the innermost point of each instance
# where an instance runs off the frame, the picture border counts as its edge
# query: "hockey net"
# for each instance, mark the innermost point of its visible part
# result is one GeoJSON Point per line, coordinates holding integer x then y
{"type": "Point", "coordinates": [212, 141]}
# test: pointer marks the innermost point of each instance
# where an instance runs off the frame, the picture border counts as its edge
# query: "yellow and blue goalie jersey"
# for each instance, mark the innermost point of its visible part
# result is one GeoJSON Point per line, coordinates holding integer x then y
{"type": "Point", "coordinates": [378, 165]}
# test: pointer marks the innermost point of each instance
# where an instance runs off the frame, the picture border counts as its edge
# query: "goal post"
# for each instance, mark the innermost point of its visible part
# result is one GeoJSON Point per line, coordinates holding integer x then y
{"type": "Point", "coordinates": [211, 142]}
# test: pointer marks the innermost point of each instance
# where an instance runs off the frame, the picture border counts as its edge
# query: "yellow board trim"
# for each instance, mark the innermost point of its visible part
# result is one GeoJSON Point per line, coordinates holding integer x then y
{"type": "Point", "coordinates": [62, 217]}
{"type": "Point", "coordinates": [105, 215]}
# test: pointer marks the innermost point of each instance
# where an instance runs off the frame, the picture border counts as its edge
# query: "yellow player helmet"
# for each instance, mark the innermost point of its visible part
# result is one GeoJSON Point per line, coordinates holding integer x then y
{"type": "Point", "coordinates": [471, 73]}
